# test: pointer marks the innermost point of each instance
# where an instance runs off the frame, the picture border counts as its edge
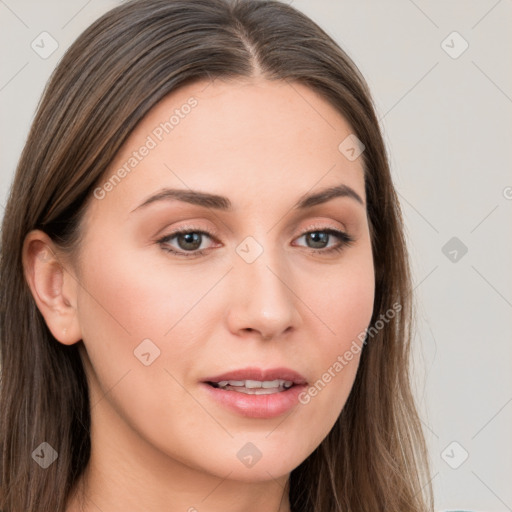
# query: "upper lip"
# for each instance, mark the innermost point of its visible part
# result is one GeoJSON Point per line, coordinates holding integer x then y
{"type": "Point", "coordinates": [260, 375]}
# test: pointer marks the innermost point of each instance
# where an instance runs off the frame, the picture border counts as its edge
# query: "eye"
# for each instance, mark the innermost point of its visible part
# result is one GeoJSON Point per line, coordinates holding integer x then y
{"type": "Point", "coordinates": [326, 240]}
{"type": "Point", "coordinates": [186, 242]}
{"type": "Point", "coordinates": [189, 242]}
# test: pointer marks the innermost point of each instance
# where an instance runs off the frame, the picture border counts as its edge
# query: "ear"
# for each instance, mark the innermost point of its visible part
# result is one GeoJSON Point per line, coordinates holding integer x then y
{"type": "Point", "coordinates": [53, 287]}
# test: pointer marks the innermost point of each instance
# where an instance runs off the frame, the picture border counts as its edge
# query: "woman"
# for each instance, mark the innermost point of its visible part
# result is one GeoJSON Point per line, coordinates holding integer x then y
{"type": "Point", "coordinates": [206, 299]}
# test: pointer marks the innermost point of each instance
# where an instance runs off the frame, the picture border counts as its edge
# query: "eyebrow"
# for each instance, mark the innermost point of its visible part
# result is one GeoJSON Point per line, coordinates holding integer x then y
{"type": "Point", "coordinates": [223, 203]}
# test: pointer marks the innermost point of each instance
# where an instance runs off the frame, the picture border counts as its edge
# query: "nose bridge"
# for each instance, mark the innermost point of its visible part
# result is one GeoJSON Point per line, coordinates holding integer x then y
{"type": "Point", "coordinates": [262, 299]}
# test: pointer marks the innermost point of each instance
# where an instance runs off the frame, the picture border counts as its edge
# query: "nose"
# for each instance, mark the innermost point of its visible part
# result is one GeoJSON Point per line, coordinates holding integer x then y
{"type": "Point", "coordinates": [262, 299]}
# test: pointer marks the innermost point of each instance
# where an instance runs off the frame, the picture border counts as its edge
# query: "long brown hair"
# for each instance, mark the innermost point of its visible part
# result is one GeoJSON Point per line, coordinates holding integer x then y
{"type": "Point", "coordinates": [116, 71]}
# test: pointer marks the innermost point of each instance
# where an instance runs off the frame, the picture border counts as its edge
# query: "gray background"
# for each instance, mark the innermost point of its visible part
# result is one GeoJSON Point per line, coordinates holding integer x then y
{"type": "Point", "coordinates": [446, 119]}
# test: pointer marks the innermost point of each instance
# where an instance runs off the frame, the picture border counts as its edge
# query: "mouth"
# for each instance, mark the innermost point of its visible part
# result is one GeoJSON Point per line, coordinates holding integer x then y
{"type": "Point", "coordinates": [255, 392]}
{"type": "Point", "coordinates": [255, 381]}
{"type": "Point", "coordinates": [253, 387]}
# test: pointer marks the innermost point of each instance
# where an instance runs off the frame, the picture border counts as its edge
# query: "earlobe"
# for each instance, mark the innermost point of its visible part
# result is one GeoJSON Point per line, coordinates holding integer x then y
{"type": "Point", "coordinates": [53, 287]}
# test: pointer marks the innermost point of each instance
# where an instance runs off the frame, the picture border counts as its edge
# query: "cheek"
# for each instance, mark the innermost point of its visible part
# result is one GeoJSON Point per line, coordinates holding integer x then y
{"type": "Point", "coordinates": [124, 302]}
{"type": "Point", "coordinates": [131, 300]}
{"type": "Point", "coordinates": [343, 301]}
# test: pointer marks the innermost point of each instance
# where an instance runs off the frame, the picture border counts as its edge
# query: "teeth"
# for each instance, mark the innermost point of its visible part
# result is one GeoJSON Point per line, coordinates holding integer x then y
{"type": "Point", "coordinates": [224, 383]}
{"type": "Point", "coordinates": [256, 387]}
{"type": "Point", "coordinates": [258, 391]}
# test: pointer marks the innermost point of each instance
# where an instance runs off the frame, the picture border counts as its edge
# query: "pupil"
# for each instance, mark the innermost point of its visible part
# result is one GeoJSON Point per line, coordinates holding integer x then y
{"type": "Point", "coordinates": [318, 239]}
{"type": "Point", "coordinates": [189, 241]}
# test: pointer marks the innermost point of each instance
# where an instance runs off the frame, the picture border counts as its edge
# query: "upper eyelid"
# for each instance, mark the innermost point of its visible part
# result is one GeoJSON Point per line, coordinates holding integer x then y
{"type": "Point", "coordinates": [185, 230]}
{"type": "Point", "coordinates": [322, 227]}
{"type": "Point", "coordinates": [318, 226]}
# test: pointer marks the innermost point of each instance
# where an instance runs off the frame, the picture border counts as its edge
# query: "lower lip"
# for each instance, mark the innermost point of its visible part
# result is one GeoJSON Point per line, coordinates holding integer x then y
{"type": "Point", "coordinates": [256, 406]}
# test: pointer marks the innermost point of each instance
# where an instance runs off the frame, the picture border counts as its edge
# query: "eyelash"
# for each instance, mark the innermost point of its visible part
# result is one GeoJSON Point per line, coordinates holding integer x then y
{"type": "Point", "coordinates": [345, 241]}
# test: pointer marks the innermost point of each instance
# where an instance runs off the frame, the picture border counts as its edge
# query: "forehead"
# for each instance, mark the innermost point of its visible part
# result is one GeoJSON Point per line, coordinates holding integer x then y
{"type": "Point", "coordinates": [250, 139]}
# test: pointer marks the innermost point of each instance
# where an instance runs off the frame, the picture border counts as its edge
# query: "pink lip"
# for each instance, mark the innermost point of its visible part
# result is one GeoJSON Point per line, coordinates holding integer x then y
{"type": "Point", "coordinates": [259, 374]}
{"type": "Point", "coordinates": [257, 406]}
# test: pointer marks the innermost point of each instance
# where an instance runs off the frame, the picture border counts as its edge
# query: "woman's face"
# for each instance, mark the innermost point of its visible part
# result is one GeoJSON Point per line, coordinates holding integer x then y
{"type": "Point", "coordinates": [263, 292]}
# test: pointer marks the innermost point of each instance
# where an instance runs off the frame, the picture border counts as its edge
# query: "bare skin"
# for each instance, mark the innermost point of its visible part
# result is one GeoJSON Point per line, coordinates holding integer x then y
{"type": "Point", "coordinates": [159, 441]}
